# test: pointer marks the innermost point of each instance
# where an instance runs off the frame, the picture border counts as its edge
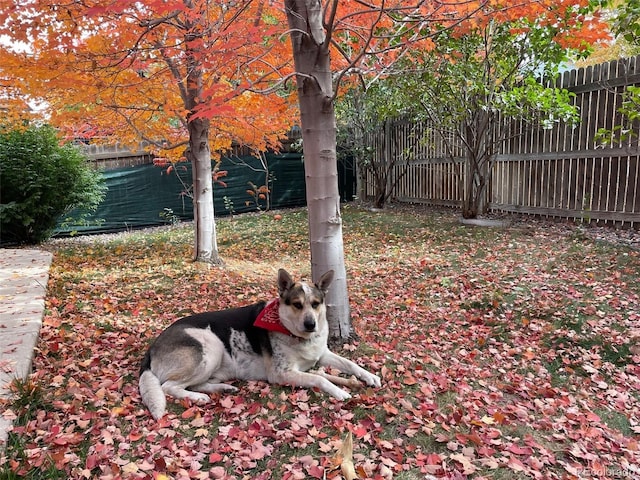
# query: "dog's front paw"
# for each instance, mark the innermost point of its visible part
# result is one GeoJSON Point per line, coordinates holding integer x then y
{"type": "Point", "coordinates": [372, 380]}
{"type": "Point", "coordinates": [199, 398]}
{"type": "Point", "coordinates": [341, 394]}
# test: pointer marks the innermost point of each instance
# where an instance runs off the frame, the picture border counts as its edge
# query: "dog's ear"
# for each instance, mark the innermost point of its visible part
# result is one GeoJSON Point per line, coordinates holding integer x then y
{"type": "Point", "coordinates": [325, 281]}
{"type": "Point", "coordinates": [284, 281]}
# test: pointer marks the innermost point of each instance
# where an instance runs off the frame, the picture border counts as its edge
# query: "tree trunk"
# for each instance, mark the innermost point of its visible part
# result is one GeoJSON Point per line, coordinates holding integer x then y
{"type": "Point", "coordinates": [315, 96]}
{"type": "Point", "coordinates": [380, 194]}
{"type": "Point", "coordinates": [206, 244]}
{"type": "Point", "coordinates": [205, 241]}
{"type": "Point", "coordinates": [478, 164]}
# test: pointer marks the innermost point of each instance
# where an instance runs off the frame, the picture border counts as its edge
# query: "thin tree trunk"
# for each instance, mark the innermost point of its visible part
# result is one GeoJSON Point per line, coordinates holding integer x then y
{"type": "Point", "coordinates": [480, 154]}
{"type": "Point", "coordinates": [206, 244]}
{"type": "Point", "coordinates": [315, 95]}
{"type": "Point", "coordinates": [205, 241]}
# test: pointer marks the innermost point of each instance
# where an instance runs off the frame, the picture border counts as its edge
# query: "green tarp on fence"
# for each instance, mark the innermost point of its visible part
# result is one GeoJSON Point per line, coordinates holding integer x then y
{"type": "Point", "coordinates": [146, 195]}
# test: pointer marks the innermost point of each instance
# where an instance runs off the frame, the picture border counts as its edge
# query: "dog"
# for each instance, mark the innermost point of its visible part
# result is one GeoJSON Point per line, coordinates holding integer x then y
{"type": "Point", "coordinates": [277, 341]}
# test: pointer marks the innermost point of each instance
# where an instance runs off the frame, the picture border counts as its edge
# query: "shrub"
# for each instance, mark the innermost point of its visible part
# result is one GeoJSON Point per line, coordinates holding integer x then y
{"type": "Point", "coordinates": [41, 180]}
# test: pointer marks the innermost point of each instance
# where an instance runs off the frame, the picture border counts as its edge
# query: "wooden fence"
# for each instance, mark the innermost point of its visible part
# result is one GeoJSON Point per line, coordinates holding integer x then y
{"type": "Point", "coordinates": [113, 156]}
{"type": "Point", "coordinates": [558, 172]}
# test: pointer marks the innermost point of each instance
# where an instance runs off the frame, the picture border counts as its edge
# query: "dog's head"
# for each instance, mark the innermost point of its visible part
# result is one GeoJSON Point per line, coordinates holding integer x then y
{"type": "Point", "coordinates": [302, 307]}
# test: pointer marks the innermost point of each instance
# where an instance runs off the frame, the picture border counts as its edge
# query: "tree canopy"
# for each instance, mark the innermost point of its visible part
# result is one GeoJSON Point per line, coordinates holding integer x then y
{"type": "Point", "coordinates": [122, 70]}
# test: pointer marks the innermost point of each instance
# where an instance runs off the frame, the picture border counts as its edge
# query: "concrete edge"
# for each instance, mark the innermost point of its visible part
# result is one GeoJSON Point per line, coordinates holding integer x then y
{"type": "Point", "coordinates": [24, 274]}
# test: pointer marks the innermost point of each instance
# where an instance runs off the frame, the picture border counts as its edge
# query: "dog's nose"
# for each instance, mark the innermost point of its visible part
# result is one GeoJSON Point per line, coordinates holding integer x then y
{"type": "Point", "coordinates": [310, 324]}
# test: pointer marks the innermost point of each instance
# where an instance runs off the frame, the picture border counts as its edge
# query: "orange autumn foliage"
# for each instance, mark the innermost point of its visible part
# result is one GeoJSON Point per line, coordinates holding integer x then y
{"type": "Point", "coordinates": [115, 68]}
{"type": "Point", "coordinates": [118, 69]}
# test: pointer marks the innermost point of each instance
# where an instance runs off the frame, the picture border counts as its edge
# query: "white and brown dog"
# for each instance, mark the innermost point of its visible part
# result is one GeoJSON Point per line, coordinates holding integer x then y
{"type": "Point", "coordinates": [277, 341]}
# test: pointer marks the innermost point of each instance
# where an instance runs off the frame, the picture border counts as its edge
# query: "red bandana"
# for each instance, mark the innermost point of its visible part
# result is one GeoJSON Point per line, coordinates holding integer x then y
{"type": "Point", "coordinates": [269, 318]}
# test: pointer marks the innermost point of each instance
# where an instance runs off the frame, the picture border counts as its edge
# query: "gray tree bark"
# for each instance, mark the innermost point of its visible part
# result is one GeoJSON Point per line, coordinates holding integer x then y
{"type": "Point", "coordinates": [315, 96]}
{"type": "Point", "coordinates": [205, 238]}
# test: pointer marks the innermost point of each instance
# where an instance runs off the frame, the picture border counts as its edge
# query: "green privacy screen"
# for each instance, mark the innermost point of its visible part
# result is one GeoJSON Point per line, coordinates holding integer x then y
{"type": "Point", "coordinates": [146, 195]}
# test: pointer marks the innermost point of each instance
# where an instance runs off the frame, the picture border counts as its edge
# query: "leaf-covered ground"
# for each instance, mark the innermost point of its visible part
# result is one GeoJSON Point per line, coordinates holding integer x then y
{"type": "Point", "coordinates": [505, 353]}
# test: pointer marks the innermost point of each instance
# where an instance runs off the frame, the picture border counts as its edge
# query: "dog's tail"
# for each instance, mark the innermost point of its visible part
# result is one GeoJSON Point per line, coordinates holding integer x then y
{"type": "Point", "coordinates": [151, 389]}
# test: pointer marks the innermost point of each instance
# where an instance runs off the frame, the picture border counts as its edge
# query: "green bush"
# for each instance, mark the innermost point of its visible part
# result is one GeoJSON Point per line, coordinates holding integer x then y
{"type": "Point", "coordinates": [41, 180]}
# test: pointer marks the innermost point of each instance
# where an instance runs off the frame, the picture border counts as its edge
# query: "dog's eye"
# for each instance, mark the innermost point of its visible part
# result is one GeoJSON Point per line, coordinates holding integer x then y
{"type": "Point", "coordinates": [297, 305]}
{"type": "Point", "coordinates": [315, 305]}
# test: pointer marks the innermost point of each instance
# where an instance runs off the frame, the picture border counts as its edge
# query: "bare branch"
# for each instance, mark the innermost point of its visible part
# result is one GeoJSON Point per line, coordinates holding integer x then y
{"type": "Point", "coordinates": [329, 22]}
{"type": "Point", "coordinates": [150, 24]}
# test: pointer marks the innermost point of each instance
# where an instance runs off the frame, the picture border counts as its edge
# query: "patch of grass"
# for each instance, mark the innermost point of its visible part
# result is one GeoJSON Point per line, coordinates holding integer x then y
{"type": "Point", "coordinates": [505, 474]}
{"type": "Point", "coordinates": [500, 332]}
{"type": "Point", "coordinates": [489, 301]}
{"type": "Point", "coordinates": [42, 473]}
{"type": "Point", "coordinates": [446, 400]}
{"type": "Point", "coordinates": [413, 474]}
{"type": "Point", "coordinates": [520, 432]}
{"type": "Point", "coordinates": [105, 326]}
{"type": "Point", "coordinates": [28, 398]}
{"type": "Point", "coordinates": [615, 421]}
{"type": "Point", "coordinates": [618, 354]}
{"type": "Point", "coordinates": [573, 321]}
{"type": "Point", "coordinates": [557, 371]}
